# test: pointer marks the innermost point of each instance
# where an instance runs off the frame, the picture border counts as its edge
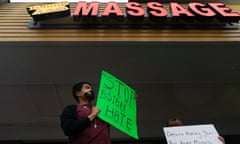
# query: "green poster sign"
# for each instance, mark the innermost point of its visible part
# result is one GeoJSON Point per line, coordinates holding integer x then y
{"type": "Point", "coordinates": [117, 102]}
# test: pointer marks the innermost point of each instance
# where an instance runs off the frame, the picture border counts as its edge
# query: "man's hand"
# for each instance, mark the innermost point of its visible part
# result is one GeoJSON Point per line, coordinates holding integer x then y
{"type": "Point", "coordinates": [94, 113]}
{"type": "Point", "coordinates": [221, 139]}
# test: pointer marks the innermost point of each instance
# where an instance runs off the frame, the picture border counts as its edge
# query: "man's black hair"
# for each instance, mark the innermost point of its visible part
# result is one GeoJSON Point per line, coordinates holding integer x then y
{"type": "Point", "coordinates": [78, 87]}
{"type": "Point", "coordinates": [168, 123]}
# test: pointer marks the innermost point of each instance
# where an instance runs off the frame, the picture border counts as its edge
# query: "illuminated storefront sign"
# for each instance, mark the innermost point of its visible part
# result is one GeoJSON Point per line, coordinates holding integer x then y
{"type": "Point", "coordinates": [137, 13]}
{"type": "Point", "coordinates": [156, 11]}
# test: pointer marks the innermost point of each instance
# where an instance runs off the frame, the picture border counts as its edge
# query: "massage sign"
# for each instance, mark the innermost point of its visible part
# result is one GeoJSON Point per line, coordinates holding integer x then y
{"type": "Point", "coordinates": [150, 14]}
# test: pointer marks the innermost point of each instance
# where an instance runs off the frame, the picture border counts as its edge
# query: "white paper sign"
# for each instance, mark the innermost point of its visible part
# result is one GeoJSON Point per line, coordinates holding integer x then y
{"type": "Point", "coordinates": [195, 134]}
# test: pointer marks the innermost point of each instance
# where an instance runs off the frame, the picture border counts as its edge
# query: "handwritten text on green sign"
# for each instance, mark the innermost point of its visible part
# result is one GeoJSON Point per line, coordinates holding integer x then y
{"type": "Point", "coordinates": [117, 102]}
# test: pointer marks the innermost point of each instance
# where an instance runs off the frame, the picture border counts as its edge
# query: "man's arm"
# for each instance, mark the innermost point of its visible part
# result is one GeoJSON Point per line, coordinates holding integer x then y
{"type": "Point", "coordinates": [69, 122]}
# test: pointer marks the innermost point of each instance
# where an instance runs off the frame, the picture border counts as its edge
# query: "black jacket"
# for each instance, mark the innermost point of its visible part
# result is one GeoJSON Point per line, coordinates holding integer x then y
{"type": "Point", "coordinates": [69, 122]}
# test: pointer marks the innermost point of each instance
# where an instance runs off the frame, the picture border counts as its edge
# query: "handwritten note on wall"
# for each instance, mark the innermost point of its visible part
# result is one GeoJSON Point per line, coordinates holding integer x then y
{"type": "Point", "coordinates": [117, 102]}
{"type": "Point", "coordinates": [195, 134]}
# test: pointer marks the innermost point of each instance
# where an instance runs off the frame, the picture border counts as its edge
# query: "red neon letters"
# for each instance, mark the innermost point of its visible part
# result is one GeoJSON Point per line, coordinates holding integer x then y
{"type": "Point", "coordinates": [156, 10]}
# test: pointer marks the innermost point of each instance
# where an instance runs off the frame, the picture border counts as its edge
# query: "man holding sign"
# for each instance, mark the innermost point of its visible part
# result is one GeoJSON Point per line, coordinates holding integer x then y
{"type": "Point", "coordinates": [117, 102]}
{"type": "Point", "coordinates": [79, 122]}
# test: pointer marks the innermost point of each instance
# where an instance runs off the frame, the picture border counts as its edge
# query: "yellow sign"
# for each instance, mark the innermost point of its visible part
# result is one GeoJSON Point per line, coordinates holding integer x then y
{"type": "Point", "coordinates": [48, 8]}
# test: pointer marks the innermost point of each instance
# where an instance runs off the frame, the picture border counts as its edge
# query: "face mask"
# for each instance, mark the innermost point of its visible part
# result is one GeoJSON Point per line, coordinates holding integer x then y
{"type": "Point", "coordinates": [89, 94]}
